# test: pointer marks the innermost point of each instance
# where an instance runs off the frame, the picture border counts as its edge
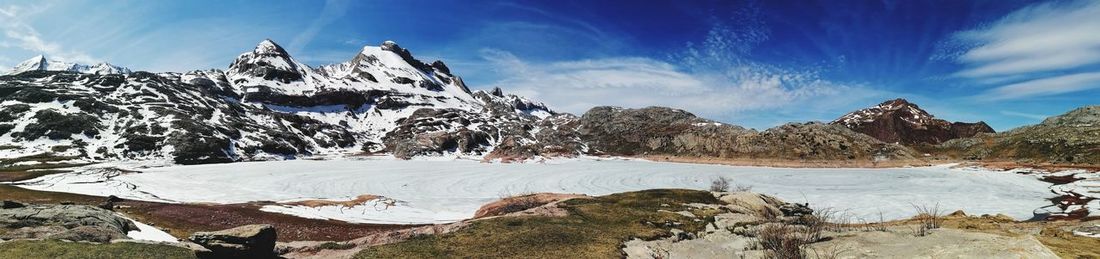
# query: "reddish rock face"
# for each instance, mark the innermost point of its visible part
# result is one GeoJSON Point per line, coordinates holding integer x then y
{"type": "Point", "coordinates": [899, 121]}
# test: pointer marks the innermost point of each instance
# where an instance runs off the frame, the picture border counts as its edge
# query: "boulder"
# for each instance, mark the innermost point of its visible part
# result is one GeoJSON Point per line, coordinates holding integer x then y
{"type": "Point", "coordinates": [756, 204]}
{"type": "Point", "coordinates": [10, 205]}
{"type": "Point", "coordinates": [250, 241]}
{"type": "Point", "coordinates": [64, 222]}
{"type": "Point", "coordinates": [796, 209]}
{"type": "Point", "coordinates": [521, 203]}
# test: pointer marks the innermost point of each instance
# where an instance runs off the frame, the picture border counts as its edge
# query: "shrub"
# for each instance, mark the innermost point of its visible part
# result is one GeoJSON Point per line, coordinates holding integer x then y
{"type": "Point", "coordinates": [720, 184]}
{"type": "Point", "coordinates": [928, 218]}
{"type": "Point", "coordinates": [336, 246]}
{"type": "Point", "coordinates": [781, 241]}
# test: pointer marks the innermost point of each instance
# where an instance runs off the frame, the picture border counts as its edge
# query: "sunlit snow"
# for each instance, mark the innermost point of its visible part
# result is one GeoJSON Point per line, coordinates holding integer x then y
{"type": "Point", "coordinates": [446, 191]}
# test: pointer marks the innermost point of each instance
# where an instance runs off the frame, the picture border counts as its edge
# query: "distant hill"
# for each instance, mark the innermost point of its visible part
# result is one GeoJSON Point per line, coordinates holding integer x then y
{"type": "Point", "coordinates": [899, 121]}
{"type": "Point", "coordinates": [1073, 137]}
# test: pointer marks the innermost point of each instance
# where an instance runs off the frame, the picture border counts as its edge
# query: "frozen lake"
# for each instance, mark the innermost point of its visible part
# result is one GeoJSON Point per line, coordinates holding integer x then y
{"type": "Point", "coordinates": [445, 191]}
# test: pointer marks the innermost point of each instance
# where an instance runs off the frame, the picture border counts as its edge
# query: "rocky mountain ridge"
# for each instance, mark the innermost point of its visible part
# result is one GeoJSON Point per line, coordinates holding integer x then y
{"type": "Point", "coordinates": [899, 121]}
{"type": "Point", "coordinates": [266, 105]}
{"type": "Point", "coordinates": [41, 63]}
{"type": "Point", "coordinates": [1070, 138]}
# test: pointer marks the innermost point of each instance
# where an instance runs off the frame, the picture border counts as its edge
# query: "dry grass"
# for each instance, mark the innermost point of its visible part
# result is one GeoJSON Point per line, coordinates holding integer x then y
{"type": "Point", "coordinates": [1051, 234]}
{"type": "Point", "coordinates": [830, 252]}
{"type": "Point", "coordinates": [518, 202]}
{"type": "Point", "coordinates": [49, 164]}
{"type": "Point", "coordinates": [594, 228]}
{"type": "Point", "coordinates": [359, 200]}
{"type": "Point", "coordinates": [783, 241]}
{"type": "Point", "coordinates": [928, 218]}
{"type": "Point", "coordinates": [30, 249]}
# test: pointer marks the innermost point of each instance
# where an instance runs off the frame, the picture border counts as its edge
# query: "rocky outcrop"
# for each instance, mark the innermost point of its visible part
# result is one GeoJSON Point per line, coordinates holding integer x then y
{"type": "Point", "coordinates": [251, 241]}
{"type": "Point", "coordinates": [521, 203]}
{"type": "Point", "coordinates": [899, 121]}
{"type": "Point", "coordinates": [666, 131]}
{"type": "Point", "coordinates": [435, 131]}
{"type": "Point", "coordinates": [655, 130]}
{"type": "Point", "coordinates": [1072, 138]}
{"type": "Point", "coordinates": [64, 222]}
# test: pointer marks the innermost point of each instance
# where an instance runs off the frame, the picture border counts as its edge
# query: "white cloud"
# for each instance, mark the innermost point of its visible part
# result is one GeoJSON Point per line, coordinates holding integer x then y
{"type": "Point", "coordinates": [716, 79]}
{"type": "Point", "coordinates": [17, 33]}
{"type": "Point", "coordinates": [1043, 37]}
{"type": "Point", "coordinates": [576, 86]}
{"type": "Point", "coordinates": [1045, 86]}
{"type": "Point", "coordinates": [334, 9]}
{"type": "Point", "coordinates": [1037, 117]}
{"type": "Point", "coordinates": [1051, 47]}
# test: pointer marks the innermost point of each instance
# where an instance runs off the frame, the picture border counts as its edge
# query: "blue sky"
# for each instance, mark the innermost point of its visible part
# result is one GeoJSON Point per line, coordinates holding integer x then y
{"type": "Point", "coordinates": [753, 63]}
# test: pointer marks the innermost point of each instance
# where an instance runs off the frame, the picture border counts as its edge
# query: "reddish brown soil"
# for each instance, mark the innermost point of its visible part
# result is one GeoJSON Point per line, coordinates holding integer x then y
{"type": "Point", "coordinates": [1009, 165]}
{"type": "Point", "coordinates": [787, 163]}
{"type": "Point", "coordinates": [181, 220]}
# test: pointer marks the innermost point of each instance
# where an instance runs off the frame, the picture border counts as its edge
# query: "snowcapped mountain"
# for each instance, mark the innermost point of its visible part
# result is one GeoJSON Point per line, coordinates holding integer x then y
{"type": "Point", "coordinates": [899, 121]}
{"type": "Point", "coordinates": [40, 63]}
{"type": "Point", "coordinates": [266, 105]}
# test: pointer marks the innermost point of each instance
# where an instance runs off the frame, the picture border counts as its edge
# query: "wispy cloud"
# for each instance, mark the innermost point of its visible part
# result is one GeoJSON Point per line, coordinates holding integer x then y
{"type": "Point", "coordinates": [1037, 117]}
{"type": "Point", "coordinates": [1044, 37]}
{"type": "Point", "coordinates": [333, 10]}
{"type": "Point", "coordinates": [1045, 86]}
{"type": "Point", "coordinates": [714, 78]}
{"type": "Point", "coordinates": [1051, 47]}
{"type": "Point", "coordinates": [19, 34]}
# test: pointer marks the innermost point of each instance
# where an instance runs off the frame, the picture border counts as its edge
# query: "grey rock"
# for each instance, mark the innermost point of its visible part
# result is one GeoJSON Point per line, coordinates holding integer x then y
{"type": "Point", "coordinates": [11, 205]}
{"type": "Point", "coordinates": [250, 241]}
{"type": "Point", "coordinates": [67, 222]}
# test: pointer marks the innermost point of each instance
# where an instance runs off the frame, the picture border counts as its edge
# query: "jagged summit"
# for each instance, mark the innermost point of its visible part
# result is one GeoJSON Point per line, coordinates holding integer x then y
{"type": "Point", "coordinates": [912, 113]}
{"type": "Point", "coordinates": [41, 63]}
{"type": "Point", "coordinates": [268, 61]}
{"type": "Point", "coordinates": [901, 121]}
{"type": "Point", "coordinates": [268, 105]}
{"type": "Point", "coordinates": [390, 45]}
{"type": "Point", "coordinates": [269, 47]}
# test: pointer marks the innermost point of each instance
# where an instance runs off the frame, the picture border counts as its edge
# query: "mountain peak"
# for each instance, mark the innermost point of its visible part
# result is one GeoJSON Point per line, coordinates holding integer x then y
{"type": "Point", "coordinates": [269, 62]}
{"type": "Point", "coordinates": [41, 63]}
{"type": "Point", "coordinates": [896, 104]}
{"type": "Point", "coordinates": [269, 47]}
{"type": "Point", "coordinates": [899, 120]}
{"type": "Point", "coordinates": [390, 45]}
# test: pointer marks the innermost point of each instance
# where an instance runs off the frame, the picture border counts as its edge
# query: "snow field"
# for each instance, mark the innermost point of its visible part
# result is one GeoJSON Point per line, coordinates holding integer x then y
{"type": "Point", "coordinates": [445, 191]}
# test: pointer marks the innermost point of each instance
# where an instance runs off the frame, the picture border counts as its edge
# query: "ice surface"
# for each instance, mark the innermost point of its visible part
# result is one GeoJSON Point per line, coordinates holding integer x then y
{"type": "Point", "coordinates": [444, 191]}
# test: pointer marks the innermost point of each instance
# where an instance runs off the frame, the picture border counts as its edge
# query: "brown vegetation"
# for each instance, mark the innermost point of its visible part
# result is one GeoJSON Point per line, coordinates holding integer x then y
{"type": "Point", "coordinates": [181, 220]}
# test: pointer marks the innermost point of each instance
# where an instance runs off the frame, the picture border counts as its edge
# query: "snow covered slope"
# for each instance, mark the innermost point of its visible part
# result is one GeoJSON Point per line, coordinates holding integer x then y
{"type": "Point", "coordinates": [267, 105]}
{"type": "Point", "coordinates": [40, 63]}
